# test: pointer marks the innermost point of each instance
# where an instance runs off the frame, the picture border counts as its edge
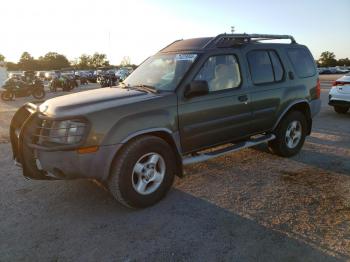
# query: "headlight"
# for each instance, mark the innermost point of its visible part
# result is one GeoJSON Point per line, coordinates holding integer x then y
{"type": "Point", "coordinates": [67, 132]}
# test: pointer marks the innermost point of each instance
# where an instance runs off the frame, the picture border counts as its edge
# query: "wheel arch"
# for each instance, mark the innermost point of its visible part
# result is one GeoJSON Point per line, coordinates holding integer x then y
{"type": "Point", "coordinates": [302, 106]}
{"type": "Point", "coordinates": [165, 134]}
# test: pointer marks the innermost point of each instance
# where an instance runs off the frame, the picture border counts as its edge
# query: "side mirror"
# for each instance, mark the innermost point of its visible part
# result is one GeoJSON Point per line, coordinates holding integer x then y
{"type": "Point", "coordinates": [197, 88]}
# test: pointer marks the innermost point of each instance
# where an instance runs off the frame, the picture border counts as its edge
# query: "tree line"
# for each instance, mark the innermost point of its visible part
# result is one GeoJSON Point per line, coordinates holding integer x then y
{"type": "Point", "coordinates": [328, 59]}
{"type": "Point", "coordinates": [55, 61]}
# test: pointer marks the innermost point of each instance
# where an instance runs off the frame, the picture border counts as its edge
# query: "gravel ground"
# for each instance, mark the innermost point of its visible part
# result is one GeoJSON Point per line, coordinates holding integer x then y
{"type": "Point", "coordinates": [245, 206]}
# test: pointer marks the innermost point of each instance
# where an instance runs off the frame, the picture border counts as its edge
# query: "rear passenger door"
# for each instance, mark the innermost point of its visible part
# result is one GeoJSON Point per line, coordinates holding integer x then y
{"type": "Point", "coordinates": [267, 83]}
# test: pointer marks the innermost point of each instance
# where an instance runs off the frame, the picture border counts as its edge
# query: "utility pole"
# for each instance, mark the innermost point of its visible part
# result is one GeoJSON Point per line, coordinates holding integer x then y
{"type": "Point", "coordinates": [232, 29]}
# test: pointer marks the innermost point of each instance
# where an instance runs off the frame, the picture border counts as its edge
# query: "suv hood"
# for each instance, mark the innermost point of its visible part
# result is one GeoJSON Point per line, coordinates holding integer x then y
{"type": "Point", "coordinates": [91, 101]}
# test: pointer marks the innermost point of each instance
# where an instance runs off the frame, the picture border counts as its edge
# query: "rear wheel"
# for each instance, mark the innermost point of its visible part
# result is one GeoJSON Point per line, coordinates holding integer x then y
{"type": "Point", "coordinates": [290, 135]}
{"type": "Point", "coordinates": [6, 96]}
{"type": "Point", "coordinates": [143, 172]}
{"type": "Point", "coordinates": [341, 109]}
{"type": "Point", "coordinates": [53, 87]}
{"type": "Point", "coordinates": [38, 93]}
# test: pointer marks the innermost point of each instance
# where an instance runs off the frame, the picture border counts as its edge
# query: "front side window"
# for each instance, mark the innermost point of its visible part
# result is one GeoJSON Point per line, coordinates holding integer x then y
{"type": "Point", "coordinates": [221, 72]}
{"type": "Point", "coordinates": [162, 72]}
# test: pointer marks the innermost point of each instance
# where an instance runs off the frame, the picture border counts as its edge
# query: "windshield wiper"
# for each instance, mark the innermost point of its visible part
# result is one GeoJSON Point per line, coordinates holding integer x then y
{"type": "Point", "coordinates": [140, 87]}
{"type": "Point", "coordinates": [146, 88]}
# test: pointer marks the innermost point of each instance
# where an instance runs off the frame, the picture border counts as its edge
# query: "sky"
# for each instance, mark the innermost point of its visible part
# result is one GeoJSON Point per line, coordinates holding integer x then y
{"type": "Point", "coordinates": [139, 29]}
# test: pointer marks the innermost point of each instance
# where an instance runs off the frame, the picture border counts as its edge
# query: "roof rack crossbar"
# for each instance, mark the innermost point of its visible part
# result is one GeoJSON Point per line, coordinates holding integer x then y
{"type": "Point", "coordinates": [249, 37]}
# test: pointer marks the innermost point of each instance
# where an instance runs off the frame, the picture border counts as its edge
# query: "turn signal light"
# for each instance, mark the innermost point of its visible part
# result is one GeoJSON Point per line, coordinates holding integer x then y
{"type": "Point", "coordinates": [87, 150]}
{"type": "Point", "coordinates": [336, 83]}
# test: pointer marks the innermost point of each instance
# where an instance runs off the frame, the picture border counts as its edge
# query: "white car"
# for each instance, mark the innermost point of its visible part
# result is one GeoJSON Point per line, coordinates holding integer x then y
{"type": "Point", "coordinates": [339, 96]}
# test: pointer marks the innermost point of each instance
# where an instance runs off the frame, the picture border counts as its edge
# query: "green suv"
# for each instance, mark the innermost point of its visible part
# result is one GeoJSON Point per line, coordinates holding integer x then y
{"type": "Point", "coordinates": [194, 100]}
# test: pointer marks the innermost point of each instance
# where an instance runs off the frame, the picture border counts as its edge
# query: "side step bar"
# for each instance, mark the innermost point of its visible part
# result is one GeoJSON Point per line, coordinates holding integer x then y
{"type": "Point", "coordinates": [206, 156]}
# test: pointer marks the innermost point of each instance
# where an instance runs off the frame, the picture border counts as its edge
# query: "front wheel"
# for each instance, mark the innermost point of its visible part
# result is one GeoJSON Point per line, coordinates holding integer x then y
{"type": "Point", "coordinates": [53, 87]}
{"type": "Point", "coordinates": [38, 93]}
{"type": "Point", "coordinates": [143, 172]}
{"type": "Point", "coordinates": [290, 135]}
{"type": "Point", "coordinates": [7, 95]}
{"type": "Point", "coordinates": [341, 109]}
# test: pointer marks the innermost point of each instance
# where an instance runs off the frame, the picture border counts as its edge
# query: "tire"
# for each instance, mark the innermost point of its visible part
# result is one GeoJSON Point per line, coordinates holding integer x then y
{"type": "Point", "coordinates": [125, 184]}
{"type": "Point", "coordinates": [289, 144]}
{"type": "Point", "coordinates": [6, 96]}
{"type": "Point", "coordinates": [38, 93]}
{"type": "Point", "coordinates": [53, 87]}
{"type": "Point", "coordinates": [70, 86]}
{"type": "Point", "coordinates": [341, 109]}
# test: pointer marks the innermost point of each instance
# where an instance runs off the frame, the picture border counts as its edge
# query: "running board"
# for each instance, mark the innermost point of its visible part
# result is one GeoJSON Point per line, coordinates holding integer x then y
{"type": "Point", "coordinates": [206, 156]}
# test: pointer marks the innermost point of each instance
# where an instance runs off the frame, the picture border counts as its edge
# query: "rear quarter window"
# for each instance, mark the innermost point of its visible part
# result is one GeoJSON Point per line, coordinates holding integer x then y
{"type": "Point", "coordinates": [302, 62]}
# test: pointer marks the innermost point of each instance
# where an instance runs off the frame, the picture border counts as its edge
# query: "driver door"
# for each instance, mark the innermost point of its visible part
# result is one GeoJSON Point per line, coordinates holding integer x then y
{"type": "Point", "coordinates": [224, 114]}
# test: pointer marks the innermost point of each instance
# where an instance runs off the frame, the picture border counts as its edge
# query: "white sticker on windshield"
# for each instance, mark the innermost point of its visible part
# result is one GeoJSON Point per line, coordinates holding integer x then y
{"type": "Point", "coordinates": [188, 57]}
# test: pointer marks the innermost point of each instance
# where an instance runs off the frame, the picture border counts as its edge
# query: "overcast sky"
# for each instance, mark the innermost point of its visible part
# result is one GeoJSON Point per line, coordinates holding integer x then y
{"type": "Point", "coordinates": [138, 29]}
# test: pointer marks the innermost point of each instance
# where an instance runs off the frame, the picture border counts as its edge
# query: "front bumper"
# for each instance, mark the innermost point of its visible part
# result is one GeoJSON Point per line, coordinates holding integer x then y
{"type": "Point", "coordinates": [61, 163]}
{"type": "Point", "coordinates": [72, 165]}
{"type": "Point", "coordinates": [340, 103]}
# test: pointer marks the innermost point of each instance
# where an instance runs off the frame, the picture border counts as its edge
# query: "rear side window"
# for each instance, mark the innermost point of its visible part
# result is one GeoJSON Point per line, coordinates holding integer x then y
{"type": "Point", "coordinates": [302, 62]}
{"type": "Point", "coordinates": [265, 67]}
{"type": "Point", "coordinates": [260, 67]}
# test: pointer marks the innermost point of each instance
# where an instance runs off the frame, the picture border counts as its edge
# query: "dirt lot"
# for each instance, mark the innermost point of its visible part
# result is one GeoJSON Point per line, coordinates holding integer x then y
{"type": "Point", "coordinates": [245, 206]}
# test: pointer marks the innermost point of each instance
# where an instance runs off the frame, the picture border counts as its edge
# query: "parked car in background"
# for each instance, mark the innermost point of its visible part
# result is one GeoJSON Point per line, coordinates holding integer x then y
{"type": "Point", "coordinates": [3, 74]}
{"type": "Point", "coordinates": [122, 73]}
{"type": "Point", "coordinates": [16, 74]}
{"type": "Point", "coordinates": [339, 95]}
{"type": "Point", "coordinates": [324, 71]}
{"type": "Point", "coordinates": [107, 78]}
{"type": "Point", "coordinates": [40, 75]}
{"type": "Point", "coordinates": [49, 75]}
{"type": "Point", "coordinates": [342, 69]}
{"type": "Point", "coordinates": [82, 77]}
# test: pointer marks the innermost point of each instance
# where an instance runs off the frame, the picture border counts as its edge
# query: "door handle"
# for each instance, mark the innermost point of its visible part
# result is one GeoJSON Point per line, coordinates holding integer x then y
{"type": "Point", "coordinates": [243, 98]}
{"type": "Point", "coordinates": [291, 75]}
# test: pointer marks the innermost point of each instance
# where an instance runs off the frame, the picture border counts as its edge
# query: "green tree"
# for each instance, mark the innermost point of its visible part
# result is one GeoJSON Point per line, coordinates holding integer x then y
{"type": "Point", "coordinates": [53, 61]}
{"type": "Point", "coordinates": [12, 66]}
{"type": "Point", "coordinates": [125, 61]}
{"type": "Point", "coordinates": [98, 60]}
{"type": "Point", "coordinates": [2, 58]}
{"type": "Point", "coordinates": [27, 62]}
{"type": "Point", "coordinates": [344, 62]}
{"type": "Point", "coordinates": [84, 61]}
{"type": "Point", "coordinates": [327, 59]}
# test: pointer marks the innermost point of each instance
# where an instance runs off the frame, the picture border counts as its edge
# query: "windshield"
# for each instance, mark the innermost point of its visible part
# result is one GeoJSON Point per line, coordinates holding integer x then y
{"type": "Point", "coordinates": [162, 72]}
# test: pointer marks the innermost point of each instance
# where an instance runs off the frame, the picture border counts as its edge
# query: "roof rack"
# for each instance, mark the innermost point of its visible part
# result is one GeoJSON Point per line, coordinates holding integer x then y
{"type": "Point", "coordinates": [225, 40]}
